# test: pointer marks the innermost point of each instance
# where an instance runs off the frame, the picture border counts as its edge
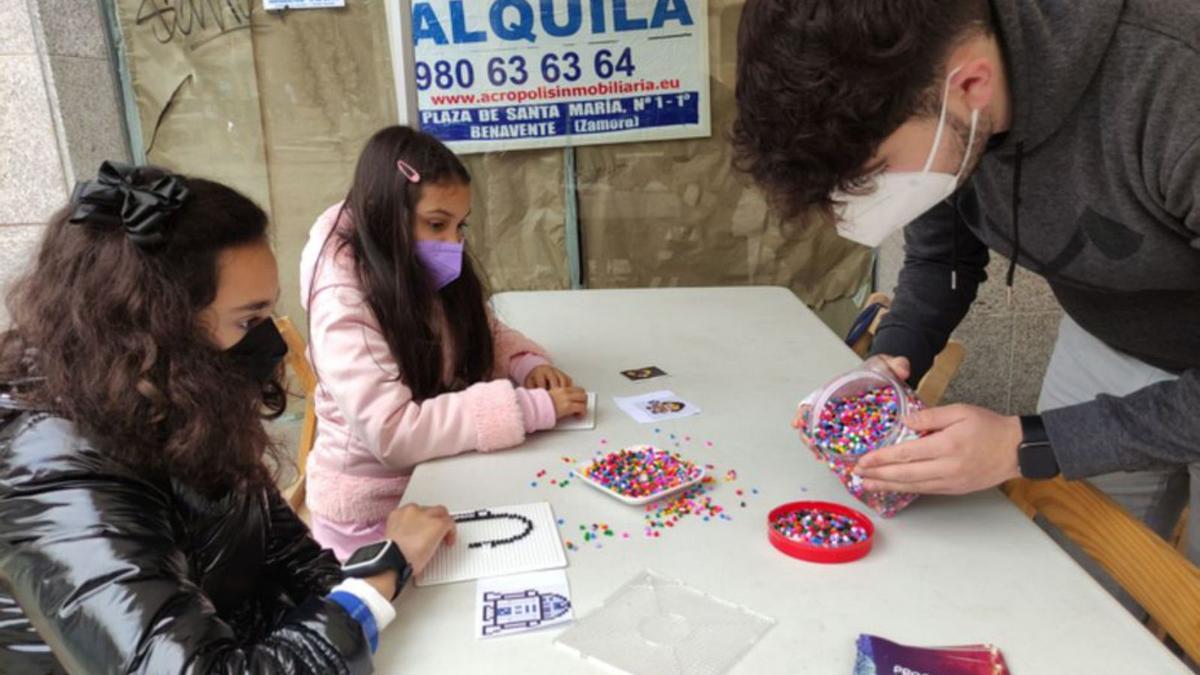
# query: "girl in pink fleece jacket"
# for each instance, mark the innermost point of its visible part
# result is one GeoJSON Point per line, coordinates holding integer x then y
{"type": "Point", "coordinates": [411, 363]}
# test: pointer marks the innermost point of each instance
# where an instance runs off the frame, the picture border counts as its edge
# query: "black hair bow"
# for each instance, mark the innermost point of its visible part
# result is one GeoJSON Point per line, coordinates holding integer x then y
{"type": "Point", "coordinates": [122, 197]}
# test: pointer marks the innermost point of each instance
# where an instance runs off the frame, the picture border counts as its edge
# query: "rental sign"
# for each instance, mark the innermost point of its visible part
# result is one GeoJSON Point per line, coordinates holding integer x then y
{"type": "Point", "coordinates": [497, 75]}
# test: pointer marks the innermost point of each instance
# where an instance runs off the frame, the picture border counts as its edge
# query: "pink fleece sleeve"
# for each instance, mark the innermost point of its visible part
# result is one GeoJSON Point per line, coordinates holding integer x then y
{"type": "Point", "coordinates": [523, 365]}
{"type": "Point", "coordinates": [516, 355]}
{"type": "Point", "coordinates": [354, 364]}
{"type": "Point", "coordinates": [538, 408]}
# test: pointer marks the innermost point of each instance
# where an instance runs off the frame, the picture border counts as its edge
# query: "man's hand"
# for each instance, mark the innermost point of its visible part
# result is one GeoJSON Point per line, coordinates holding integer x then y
{"type": "Point", "coordinates": [967, 449]}
{"type": "Point", "coordinates": [897, 365]}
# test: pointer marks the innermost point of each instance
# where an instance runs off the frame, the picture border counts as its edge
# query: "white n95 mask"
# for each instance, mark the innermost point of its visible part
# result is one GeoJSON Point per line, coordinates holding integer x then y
{"type": "Point", "coordinates": [900, 197]}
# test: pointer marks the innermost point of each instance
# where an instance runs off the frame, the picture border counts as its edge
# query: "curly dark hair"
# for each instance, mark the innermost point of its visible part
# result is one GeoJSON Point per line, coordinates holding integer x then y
{"type": "Point", "coordinates": [821, 83]}
{"type": "Point", "coordinates": [109, 336]}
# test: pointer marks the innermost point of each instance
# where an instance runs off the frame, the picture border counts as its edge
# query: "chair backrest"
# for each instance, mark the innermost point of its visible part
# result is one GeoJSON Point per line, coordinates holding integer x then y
{"type": "Point", "coordinates": [1164, 582]}
{"type": "Point", "coordinates": [932, 386]}
{"type": "Point", "coordinates": [297, 361]}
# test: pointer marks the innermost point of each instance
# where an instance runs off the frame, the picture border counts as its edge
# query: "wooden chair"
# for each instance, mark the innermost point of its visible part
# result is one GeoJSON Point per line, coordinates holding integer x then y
{"type": "Point", "coordinates": [1150, 569]}
{"type": "Point", "coordinates": [933, 385]}
{"type": "Point", "coordinates": [297, 362]}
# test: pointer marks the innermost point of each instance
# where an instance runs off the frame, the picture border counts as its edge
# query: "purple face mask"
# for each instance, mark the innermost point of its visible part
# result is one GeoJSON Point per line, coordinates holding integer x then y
{"type": "Point", "coordinates": [442, 261]}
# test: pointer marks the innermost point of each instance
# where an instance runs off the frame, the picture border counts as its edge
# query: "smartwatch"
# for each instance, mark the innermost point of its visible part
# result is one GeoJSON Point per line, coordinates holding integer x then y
{"type": "Point", "coordinates": [378, 558]}
{"type": "Point", "coordinates": [1034, 454]}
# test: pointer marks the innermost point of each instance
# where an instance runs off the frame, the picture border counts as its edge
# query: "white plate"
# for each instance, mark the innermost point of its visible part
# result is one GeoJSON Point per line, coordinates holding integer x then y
{"type": "Point", "coordinates": [581, 474]}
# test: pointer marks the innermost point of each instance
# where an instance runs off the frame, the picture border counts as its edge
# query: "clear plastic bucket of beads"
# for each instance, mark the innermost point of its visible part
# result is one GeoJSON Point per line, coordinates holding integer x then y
{"type": "Point", "coordinates": [859, 412]}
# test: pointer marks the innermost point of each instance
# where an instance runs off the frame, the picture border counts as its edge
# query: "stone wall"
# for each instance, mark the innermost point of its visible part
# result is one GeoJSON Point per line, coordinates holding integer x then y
{"type": "Point", "coordinates": [59, 116]}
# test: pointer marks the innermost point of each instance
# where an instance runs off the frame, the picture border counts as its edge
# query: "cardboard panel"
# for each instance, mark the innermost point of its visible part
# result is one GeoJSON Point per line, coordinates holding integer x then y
{"type": "Point", "coordinates": [676, 213]}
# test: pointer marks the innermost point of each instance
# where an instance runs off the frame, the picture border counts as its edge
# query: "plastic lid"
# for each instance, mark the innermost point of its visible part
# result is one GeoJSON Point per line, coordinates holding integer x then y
{"type": "Point", "coordinates": [819, 554]}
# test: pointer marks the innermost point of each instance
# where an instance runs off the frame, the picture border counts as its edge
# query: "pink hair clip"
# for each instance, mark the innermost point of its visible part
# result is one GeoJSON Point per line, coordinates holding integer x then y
{"type": "Point", "coordinates": [409, 172]}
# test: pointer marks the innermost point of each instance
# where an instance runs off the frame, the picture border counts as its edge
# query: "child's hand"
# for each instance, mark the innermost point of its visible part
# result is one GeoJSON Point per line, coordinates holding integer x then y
{"type": "Point", "coordinates": [569, 401]}
{"type": "Point", "coordinates": [418, 531]}
{"type": "Point", "coordinates": [547, 377]}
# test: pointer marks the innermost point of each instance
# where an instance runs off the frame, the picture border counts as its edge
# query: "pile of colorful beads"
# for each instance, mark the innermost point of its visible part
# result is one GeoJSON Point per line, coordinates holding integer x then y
{"type": "Point", "coordinates": [857, 424]}
{"type": "Point", "coordinates": [862, 413]}
{"type": "Point", "coordinates": [820, 528]}
{"type": "Point", "coordinates": [641, 471]}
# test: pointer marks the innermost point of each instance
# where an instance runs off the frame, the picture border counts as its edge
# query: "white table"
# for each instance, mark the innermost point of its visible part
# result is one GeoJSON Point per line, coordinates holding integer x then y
{"type": "Point", "coordinates": [945, 571]}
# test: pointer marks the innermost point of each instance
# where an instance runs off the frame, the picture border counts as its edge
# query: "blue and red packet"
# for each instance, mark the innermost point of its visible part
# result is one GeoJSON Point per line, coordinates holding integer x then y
{"type": "Point", "coordinates": [877, 656]}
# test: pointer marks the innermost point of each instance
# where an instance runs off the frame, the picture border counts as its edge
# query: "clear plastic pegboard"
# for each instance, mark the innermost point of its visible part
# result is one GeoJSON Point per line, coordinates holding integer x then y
{"type": "Point", "coordinates": [658, 626]}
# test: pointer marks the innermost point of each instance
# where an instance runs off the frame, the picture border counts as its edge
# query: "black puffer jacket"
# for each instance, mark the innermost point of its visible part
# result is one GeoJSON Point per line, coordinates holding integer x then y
{"type": "Point", "coordinates": [106, 570]}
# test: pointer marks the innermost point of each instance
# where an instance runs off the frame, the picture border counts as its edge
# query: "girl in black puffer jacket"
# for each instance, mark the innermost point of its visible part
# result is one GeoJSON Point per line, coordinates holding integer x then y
{"type": "Point", "coordinates": [140, 529]}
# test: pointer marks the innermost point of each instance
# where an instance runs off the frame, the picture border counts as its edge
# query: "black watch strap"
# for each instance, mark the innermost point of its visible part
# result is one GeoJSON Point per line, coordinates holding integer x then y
{"type": "Point", "coordinates": [1035, 455]}
{"type": "Point", "coordinates": [378, 558]}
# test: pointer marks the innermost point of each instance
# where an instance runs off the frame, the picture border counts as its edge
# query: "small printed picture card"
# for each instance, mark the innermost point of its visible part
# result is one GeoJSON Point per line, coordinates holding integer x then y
{"type": "Point", "coordinates": [521, 602]}
{"type": "Point", "coordinates": [656, 406]}
{"type": "Point", "coordinates": [646, 373]}
{"type": "Point", "coordinates": [585, 423]}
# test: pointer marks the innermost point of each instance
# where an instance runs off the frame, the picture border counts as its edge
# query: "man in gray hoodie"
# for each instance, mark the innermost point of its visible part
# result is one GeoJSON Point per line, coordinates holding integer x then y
{"type": "Point", "coordinates": [1064, 135]}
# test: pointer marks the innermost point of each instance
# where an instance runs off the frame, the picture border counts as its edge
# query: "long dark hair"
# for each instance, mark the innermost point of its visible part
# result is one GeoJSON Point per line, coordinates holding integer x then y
{"type": "Point", "coordinates": [108, 335]}
{"type": "Point", "coordinates": [381, 207]}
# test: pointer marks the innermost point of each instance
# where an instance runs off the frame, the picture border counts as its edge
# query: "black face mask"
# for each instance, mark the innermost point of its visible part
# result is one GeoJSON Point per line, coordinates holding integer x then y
{"type": "Point", "coordinates": [258, 354]}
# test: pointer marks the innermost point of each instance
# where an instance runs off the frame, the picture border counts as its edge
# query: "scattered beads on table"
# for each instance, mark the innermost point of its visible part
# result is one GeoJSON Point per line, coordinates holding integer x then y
{"type": "Point", "coordinates": [596, 531]}
{"type": "Point", "coordinates": [694, 501]}
{"type": "Point", "coordinates": [661, 515]}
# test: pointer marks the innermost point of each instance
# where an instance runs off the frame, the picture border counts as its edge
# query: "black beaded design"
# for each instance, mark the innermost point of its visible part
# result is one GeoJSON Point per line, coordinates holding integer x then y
{"type": "Point", "coordinates": [486, 514]}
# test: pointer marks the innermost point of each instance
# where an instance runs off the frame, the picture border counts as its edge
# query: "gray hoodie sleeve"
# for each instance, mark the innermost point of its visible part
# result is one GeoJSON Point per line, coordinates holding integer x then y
{"type": "Point", "coordinates": [927, 307]}
{"type": "Point", "coordinates": [1154, 427]}
{"type": "Point", "coordinates": [1183, 191]}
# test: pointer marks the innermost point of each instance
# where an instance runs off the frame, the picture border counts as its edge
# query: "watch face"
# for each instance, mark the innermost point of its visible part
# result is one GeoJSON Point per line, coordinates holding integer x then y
{"type": "Point", "coordinates": [1036, 460]}
{"type": "Point", "coordinates": [367, 553]}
